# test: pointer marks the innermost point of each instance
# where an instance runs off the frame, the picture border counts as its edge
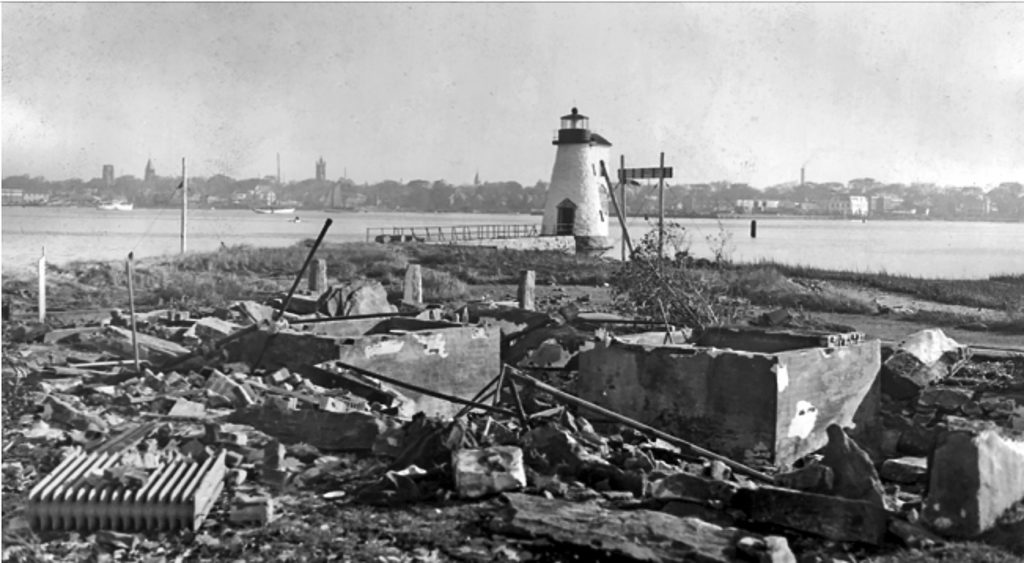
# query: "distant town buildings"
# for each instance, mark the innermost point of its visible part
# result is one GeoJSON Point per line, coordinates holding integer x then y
{"type": "Point", "coordinates": [852, 205]}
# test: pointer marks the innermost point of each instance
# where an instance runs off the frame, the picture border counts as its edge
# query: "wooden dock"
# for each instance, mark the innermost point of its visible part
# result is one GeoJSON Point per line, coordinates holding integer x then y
{"type": "Point", "coordinates": [451, 233]}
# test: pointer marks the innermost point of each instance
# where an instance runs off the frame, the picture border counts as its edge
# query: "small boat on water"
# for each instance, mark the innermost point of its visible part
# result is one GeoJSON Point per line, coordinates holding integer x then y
{"type": "Point", "coordinates": [116, 206]}
{"type": "Point", "coordinates": [274, 210]}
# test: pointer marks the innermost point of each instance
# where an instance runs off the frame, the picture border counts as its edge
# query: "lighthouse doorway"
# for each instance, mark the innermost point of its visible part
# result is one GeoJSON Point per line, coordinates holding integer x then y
{"type": "Point", "coordinates": [566, 218]}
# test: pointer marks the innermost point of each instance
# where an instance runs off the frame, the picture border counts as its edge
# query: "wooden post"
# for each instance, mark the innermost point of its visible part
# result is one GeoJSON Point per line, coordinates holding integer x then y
{"type": "Point", "coordinates": [413, 285]}
{"type": "Point", "coordinates": [130, 270]}
{"type": "Point", "coordinates": [753, 228]}
{"type": "Point", "coordinates": [527, 284]}
{"type": "Point", "coordinates": [661, 210]}
{"type": "Point", "coordinates": [42, 286]}
{"type": "Point", "coordinates": [318, 276]}
{"type": "Point", "coordinates": [622, 202]}
{"type": "Point", "coordinates": [184, 205]}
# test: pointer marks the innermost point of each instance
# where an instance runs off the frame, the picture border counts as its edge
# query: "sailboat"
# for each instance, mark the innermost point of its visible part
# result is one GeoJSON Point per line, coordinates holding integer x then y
{"type": "Point", "coordinates": [116, 206]}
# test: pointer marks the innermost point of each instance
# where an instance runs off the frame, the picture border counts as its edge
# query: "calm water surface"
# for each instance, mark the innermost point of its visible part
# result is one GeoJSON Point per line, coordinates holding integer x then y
{"type": "Point", "coordinates": [922, 248]}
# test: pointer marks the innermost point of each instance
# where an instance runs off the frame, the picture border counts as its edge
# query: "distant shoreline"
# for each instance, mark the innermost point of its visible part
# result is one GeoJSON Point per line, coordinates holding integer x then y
{"type": "Point", "coordinates": [647, 216]}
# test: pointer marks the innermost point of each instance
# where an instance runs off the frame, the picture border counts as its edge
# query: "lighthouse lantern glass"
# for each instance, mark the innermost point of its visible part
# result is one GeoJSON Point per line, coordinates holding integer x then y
{"type": "Point", "coordinates": [575, 122]}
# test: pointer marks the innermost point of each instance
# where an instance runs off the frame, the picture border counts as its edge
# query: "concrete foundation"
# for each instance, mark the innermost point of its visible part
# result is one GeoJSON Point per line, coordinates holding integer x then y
{"type": "Point", "coordinates": [753, 395]}
{"type": "Point", "coordinates": [445, 357]}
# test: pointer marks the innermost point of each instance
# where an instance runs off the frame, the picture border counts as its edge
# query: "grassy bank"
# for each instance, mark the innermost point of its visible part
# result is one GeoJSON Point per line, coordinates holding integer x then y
{"type": "Point", "coordinates": [1004, 292]}
{"type": "Point", "coordinates": [244, 272]}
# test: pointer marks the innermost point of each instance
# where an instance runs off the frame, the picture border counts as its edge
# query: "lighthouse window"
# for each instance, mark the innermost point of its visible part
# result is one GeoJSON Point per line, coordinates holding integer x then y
{"type": "Point", "coordinates": [602, 215]}
{"type": "Point", "coordinates": [593, 168]}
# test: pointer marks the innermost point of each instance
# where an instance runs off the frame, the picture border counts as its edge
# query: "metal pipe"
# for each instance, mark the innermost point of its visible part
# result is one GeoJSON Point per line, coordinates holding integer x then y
{"type": "Point", "coordinates": [618, 212]}
{"type": "Point", "coordinates": [130, 270]}
{"type": "Point", "coordinates": [302, 271]}
{"type": "Point", "coordinates": [421, 390]}
{"type": "Point", "coordinates": [565, 397]}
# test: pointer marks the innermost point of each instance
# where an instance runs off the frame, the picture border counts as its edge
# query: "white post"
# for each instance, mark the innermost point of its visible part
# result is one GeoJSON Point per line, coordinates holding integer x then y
{"type": "Point", "coordinates": [527, 285]}
{"type": "Point", "coordinates": [413, 285]}
{"type": "Point", "coordinates": [42, 286]}
{"type": "Point", "coordinates": [184, 206]}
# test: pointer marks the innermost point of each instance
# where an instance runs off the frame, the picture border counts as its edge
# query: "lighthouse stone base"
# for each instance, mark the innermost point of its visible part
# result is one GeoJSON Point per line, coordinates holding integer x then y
{"type": "Point", "coordinates": [593, 245]}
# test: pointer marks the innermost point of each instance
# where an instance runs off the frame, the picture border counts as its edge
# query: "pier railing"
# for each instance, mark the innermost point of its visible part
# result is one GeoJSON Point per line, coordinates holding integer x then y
{"type": "Point", "coordinates": [450, 233]}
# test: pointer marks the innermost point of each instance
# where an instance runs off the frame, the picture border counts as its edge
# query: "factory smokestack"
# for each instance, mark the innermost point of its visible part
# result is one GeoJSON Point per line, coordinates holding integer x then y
{"type": "Point", "coordinates": [801, 175]}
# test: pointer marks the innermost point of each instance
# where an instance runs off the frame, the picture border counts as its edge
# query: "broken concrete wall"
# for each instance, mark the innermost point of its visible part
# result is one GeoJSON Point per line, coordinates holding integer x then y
{"type": "Point", "coordinates": [822, 386]}
{"type": "Point", "coordinates": [755, 407]}
{"type": "Point", "coordinates": [718, 399]}
{"type": "Point", "coordinates": [458, 361]}
{"type": "Point", "coordinates": [771, 341]}
{"type": "Point", "coordinates": [289, 349]}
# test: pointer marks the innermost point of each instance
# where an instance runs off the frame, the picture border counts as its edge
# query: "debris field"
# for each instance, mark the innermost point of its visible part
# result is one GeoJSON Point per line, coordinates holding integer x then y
{"type": "Point", "coordinates": [334, 425]}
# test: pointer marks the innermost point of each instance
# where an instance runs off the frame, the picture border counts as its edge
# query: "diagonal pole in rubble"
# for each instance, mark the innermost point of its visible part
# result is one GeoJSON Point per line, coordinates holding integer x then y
{"type": "Point", "coordinates": [576, 401]}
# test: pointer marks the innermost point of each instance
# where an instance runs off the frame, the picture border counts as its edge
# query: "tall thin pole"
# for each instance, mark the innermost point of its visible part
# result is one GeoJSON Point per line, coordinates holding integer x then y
{"type": "Point", "coordinates": [661, 208]}
{"type": "Point", "coordinates": [184, 206]}
{"type": "Point", "coordinates": [278, 169]}
{"type": "Point", "coordinates": [42, 286]}
{"type": "Point", "coordinates": [622, 200]}
{"type": "Point", "coordinates": [130, 269]}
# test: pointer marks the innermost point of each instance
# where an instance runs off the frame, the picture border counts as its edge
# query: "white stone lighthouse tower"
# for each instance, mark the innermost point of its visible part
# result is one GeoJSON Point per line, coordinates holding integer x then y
{"type": "Point", "coordinates": [575, 197]}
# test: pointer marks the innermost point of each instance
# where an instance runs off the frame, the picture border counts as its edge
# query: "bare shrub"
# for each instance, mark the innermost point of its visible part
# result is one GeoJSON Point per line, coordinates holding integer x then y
{"type": "Point", "coordinates": [670, 288]}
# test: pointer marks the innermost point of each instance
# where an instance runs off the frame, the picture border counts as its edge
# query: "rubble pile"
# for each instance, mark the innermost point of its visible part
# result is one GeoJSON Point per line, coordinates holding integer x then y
{"type": "Point", "coordinates": [561, 432]}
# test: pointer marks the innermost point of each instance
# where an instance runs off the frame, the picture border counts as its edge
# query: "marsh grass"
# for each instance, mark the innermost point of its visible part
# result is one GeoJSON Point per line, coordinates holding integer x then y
{"type": "Point", "coordinates": [1004, 292]}
{"type": "Point", "coordinates": [246, 272]}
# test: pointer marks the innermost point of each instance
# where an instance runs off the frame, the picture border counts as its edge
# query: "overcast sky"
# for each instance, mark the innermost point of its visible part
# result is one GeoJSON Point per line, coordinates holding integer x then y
{"type": "Point", "coordinates": [739, 92]}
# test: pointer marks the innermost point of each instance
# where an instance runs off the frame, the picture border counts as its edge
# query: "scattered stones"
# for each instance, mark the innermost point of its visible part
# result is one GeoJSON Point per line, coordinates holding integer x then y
{"type": "Point", "coordinates": [487, 471]}
{"type": "Point", "coordinates": [919, 360]}
{"type": "Point", "coordinates": [253, 511]}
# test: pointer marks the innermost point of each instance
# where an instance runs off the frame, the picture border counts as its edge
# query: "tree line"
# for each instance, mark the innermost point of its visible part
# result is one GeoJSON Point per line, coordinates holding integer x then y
{"type": "Point", "coordinates": [1004, 201]}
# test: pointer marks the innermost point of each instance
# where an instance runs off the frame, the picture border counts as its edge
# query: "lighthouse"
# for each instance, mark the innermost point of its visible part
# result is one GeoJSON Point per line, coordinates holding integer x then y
{"type": "Point", "coordinates": [575, 205]}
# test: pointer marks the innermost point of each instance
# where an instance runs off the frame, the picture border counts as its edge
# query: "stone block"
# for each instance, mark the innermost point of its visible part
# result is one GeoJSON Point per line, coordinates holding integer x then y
{"type": "Point", "coordinates": [946, 399]}
{"type": "Point", "coordinates": [919, 360]}
{"type": "Point", "coordinates": [188, 409]}
{"type": "Point", "coordinates": [636, 535]}
{"type": "Point", "coordinates": [211, 329]}
{"type": "Point", "coordinates": [976, 473]}
{"type": "Point", "coordinates": [253, 511]}
{"type": "Point", "coordinates": [855, 475]}
{"type": "Point", "coordinates": [481, 472]}
{"type": "Point", "coordinates": [235, 392]}
{"type": "Point", "coordinates": [831, 517]}
{"type": "Point", "coordinates": [770, 402]}
{"type": "Point", "coordinates": [907, 470]}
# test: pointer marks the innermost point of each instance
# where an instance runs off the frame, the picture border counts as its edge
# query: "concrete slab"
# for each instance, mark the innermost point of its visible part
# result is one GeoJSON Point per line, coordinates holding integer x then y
{"type": "Point", "coordinates": [767, 398]}
{"type": "Point", "coordinates": [449, 358]}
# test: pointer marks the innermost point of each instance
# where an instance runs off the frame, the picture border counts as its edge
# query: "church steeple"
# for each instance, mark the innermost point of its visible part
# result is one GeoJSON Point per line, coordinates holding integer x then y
{"type": "Point", "coordinates": [150, 171]}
